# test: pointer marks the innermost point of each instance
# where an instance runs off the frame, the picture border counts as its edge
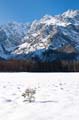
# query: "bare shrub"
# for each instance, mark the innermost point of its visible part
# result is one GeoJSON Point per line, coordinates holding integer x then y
{"type": "Point", "coordinates": [29, 95]}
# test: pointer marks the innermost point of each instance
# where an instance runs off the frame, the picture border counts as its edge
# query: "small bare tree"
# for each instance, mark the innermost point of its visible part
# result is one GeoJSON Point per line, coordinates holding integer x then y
{"type": "Point", "coordinates": [29, 94]}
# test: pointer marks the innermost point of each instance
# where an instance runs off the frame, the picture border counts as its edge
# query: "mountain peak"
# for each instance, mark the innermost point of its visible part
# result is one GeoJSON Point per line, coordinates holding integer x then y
{"type": "Point", "coordinates": [71, 13]}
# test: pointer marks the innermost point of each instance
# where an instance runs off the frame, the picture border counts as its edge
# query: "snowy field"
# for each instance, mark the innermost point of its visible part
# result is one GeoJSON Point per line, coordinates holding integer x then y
{"type": "Point", "coordinates": [56, 98]}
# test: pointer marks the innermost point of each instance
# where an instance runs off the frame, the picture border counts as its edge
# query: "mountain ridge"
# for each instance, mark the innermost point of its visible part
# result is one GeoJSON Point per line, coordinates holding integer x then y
{"type": "Point", "coordinates": [51, 33]}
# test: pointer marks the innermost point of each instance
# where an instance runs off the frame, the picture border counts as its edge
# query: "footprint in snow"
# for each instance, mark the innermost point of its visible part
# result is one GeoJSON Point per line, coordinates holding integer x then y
{"type": "Point", "coordinates": [4, 86]}
{"type": "Point", "coordinates": [8, 100]}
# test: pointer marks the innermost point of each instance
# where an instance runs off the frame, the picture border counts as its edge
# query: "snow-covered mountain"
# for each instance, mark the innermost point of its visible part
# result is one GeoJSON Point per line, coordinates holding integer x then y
{"type": "Point", "coordinates": [46, 39]}
{"type": "Point", "coordinates": [11, 36]}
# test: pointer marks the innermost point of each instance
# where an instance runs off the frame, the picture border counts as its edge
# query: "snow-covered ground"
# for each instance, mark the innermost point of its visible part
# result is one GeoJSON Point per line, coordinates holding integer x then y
{"type": "Point", "coordinates": [57, 96]}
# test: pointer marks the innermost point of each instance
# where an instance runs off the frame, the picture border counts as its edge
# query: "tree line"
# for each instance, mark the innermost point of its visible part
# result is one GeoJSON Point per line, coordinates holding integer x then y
{"type": "Point", "coordinates": [34, 66]}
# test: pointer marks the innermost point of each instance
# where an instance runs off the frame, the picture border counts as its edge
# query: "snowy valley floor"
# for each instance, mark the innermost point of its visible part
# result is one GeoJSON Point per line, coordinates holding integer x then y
{"type": "Point", "coordinates": [57, 96]}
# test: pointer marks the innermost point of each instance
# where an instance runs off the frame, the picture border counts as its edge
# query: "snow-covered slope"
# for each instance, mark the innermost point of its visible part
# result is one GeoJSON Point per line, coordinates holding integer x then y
{"type": "Point", "coordinates": [57, 96]}
{"type": "Point", "coordinates": [57, 33]}
{"type": "Point", "coordinates": [11, 36]}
